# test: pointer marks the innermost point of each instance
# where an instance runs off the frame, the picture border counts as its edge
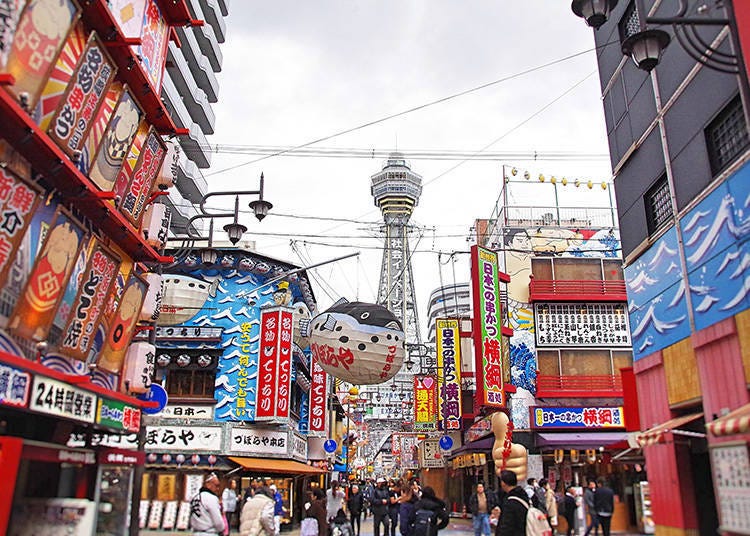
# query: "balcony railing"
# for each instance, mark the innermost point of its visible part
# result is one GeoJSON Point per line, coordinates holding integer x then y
{"type": "Point", "coordinates": [576, 290]}
{"type": "Point", "coordinates": [608, 386]}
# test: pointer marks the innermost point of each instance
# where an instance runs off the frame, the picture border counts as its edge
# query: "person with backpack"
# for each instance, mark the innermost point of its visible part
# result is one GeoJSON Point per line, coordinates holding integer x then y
{"type": "Point", "coordinates": [316, 510]}
{"type": "Point", "coordinates": [518, 516]}
{"type": "Point", "coordinates": [481, 504]}
{"type": "Point", "coordinates": [340, 525]}
{"type": "Point", "coordinates": [406, 502]}
{"type": "Point", "coordinates": [430, 514]}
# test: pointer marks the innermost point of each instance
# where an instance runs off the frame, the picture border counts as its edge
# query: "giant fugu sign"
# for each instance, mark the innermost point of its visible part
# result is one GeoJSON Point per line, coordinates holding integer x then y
{"type": "Point", "coordinates": [360, 343]}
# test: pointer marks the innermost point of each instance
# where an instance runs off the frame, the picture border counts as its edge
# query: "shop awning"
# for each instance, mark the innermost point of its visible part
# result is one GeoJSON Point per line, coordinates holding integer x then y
{"type": "Point", "coordinates": [580, 439]}
{"type": "Point", "coordinates": [656, 434]}
{"type": "Point", "coordinates": [273, 465]}
{"type": "Point", "coordinates": [735, 422]}
{"type": "Point", "coordinates": [480, 445]}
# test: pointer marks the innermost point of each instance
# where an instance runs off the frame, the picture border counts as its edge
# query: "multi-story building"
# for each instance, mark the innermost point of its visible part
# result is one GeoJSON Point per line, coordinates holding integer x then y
{"type": "Point", "coordinates": [676, 121]}
{"type": "Point", "coordinates": [447, 301]}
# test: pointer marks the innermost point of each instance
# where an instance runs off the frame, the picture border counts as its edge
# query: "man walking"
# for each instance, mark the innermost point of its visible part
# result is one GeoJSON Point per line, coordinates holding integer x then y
{"type": "Point", "coordinates": [588, 500]}
{"type": "Point", "coordinates": [355, 504]}
{"type": "Point", "coordinates": [205, 509]}
{"type": "Point", "coordinates": [604, 504]}
{"type": "Point", "coordinates": [481, 504]}
{"type": "Point", "coordinates": [515, 505]}
{"type": "Point", "coordinates": [381, 498]}
{"type": "Point", "coordinates": [569, 509]}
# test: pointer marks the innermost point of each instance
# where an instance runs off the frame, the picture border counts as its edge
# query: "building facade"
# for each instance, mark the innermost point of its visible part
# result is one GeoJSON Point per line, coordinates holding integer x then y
{"type": "Point", "coordinates": [679, 151]}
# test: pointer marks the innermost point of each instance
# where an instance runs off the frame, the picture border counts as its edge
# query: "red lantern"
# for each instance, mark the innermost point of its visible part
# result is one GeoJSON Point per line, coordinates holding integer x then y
{"type": "Point", "coordinates": [166, 458]}
{"type": "Point", "coordinates": [151, 458]}
{"type": "Point", "coordinates": [212, 460]}
{"type": "Point", "coordinates": [195, 459]}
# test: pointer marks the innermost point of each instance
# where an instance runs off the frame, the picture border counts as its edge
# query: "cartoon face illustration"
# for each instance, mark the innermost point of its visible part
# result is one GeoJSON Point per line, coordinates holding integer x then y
{"type": "Point", "coordinates": [262, 268]}
{"type": "Point", "coordinates": [246, 264]}
{"type": "Point", "coordinates": [227, 261]}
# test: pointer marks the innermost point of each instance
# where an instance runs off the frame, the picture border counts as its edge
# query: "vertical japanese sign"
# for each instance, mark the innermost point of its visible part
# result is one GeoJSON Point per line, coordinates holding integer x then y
{"type": "Point", "coordinates": [10, 11]}
{"type": "Point", "coordinates": [318, 394]}
{"type": "Point", "coordinates": [40, 35]}
{"type": "Point", "coordinates": [14, 387]}
{"type": "Point", "coordinates": [85, 93]}
{"type": "Point", "coordinates": [242, 410]}
{"type": "Point", "coordinates": [35, 309]}
{"type": "Point", "coordinates": [425, 403]}
{"type": "Point", "coordinates": [17, 204]}
{"type": "Point", "coordinates": [123, 324]}
{"type": "Point", "coordinates": [487, 327]}
{"type": "Point", "coordinates": [86, 313]}
{"type": "Point", "coordinates": [449, 372]}
{"type": "Point", "coordinates": [268, 363]}
{"type": "Point", "coordinates": [284, 372]}
{"type": "Point", "coordinates": [149, 163]}
{"type": "Point", "coordinates": [154, 41]}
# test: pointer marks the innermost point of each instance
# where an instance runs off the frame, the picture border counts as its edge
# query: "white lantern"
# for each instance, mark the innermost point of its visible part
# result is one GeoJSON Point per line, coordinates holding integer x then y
{"type": "Point", "coordinates": [155, 224]}
{"type": "Point", "coordinates": [152, 303]}
{"type": "Point", "coordinates": [139, 367]}
{"type": "Point", "coordinates": [360, 343]}
{"type": "Point", "coordinates": [184, 297]}
{"type": "Point", "coordinates": [167, 176]}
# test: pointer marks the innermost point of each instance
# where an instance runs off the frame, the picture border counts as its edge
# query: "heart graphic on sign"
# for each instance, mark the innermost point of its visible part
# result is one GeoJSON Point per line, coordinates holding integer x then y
{"type": "Point", "coordinates": [428, 382]}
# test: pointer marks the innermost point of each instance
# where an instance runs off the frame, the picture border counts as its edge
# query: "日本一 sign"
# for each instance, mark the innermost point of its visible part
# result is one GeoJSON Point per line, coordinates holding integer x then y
{"type": "Point", "coordinates": [577, 417]}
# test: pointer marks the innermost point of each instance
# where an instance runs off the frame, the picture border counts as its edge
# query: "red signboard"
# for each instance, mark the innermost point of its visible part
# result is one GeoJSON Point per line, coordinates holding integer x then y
{"type": "Point", "coordinates": [149, 163]}
{"type": "Point", "coordinates": [17, 203]}
{"type": "Point", "coordinates": [318, 390]}
{"type": "Point", "coordinates": [268, 363]}
{"type": "Point", "coordinates": [284, 372]}
{"type": "Point", "coordinates": [425, 403]}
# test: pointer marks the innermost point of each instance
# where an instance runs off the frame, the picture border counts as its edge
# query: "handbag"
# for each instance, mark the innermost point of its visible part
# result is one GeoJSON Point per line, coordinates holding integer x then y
{"type": "Point", "coordinates": [309, 527]}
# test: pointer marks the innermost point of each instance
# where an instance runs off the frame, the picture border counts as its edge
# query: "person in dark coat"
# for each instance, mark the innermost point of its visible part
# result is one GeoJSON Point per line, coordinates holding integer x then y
{"type": "Point", "coordinates": [569, 509]}
{"type": "Point", "coordinates": [393, 505]}
{"type": "Point", "coordinates": [317, 510]}
{"type": "Point", "coordinates": [514, 507]}
{"type": "Point", "coordinates": [406, 501]}
{"type": "Point", "coordinates": [481, 504]}
{"type": "Point", "coordinates": [429, 501]}
{"type": "Point", "coordinates": [604, 504]}
{"type": "Point", "coordinates": [355, 504]}
{"type": "Point", "coordinates": [381, 498]}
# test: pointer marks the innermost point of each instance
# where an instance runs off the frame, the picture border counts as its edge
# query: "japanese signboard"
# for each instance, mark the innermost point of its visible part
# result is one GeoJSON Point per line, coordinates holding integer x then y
{"type": "Point", "coordinates": [143, 177]}
{"type": "Point", "coordinates": [298, 447]}
{"type": "Point", "coordinates": [125, 176]}
{"type": "Point", "coordinates": [449, 372]}
{"type": "Point", "coordinates": [153, 48]}
{"type": "Point", "coordinates": [318, 394]}
{"type": "Point", "coordinates": [425, 403]}
{"type": "Point", "coordinates": [85, 93]}
{"type": "Point", "coordinates": [581, 324]}
{"type": "Point", "coordinates": [577, 417]}
{"type": "Point", "coordinates": [184, 411]}
{"type": "Point", "coordinates": [59, 399]}
{"type": "Point", "coordinates": [430, 455]}
{"type": "Point", "coordinates": [244, 410]}
{"type": "Point", "coordinates": [488, 320]}
{"type": "Point", "coordinates": [176, 438]}
{"type": "Point", "coordinates": [118, 415]}
{"type": "Point", "coordinates": [14, 387]}
{"type": "Point", "coordinates": [202, 333]}
{"type": "Point", "coordinates": [731, 470]}
{"type": "Point", "coordinates": [478, 430]}
{"type": "Point", "coordinates": [10, 11]}
{"type": "Point", "coordinates": [35, 309]}
{"type": "Point", "coordinates": [268, 363]}
{"type": "Point", "coordinates": [120, 457]}
{"type": "Point", "coordinates": [122, 325]}
{"type": "Point", "coordinates": [86, 313]}
{"type": "Point", "coordinates": [259, 441]}
{"type": "Point", "coordinates": [18, 201]}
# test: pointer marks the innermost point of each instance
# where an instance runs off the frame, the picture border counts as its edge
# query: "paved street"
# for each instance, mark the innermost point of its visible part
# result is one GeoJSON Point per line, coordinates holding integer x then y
{"type": "Point", "coordinates": [457, 527]}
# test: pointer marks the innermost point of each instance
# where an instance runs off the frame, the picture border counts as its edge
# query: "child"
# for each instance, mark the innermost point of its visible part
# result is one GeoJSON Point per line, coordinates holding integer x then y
{"type": "Point", "coordinates": [494, 517]}
{"type": "Point", "coordinates": [340, 525]}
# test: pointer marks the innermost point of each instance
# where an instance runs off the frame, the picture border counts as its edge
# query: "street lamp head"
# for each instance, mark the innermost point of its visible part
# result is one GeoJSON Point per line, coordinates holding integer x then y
{"type": "Point", "coordinates": [594, 12]}
{"type": "Point", "coordinates": [235, 231]}
{"type": "Point", "coordinates": [645, 48]}
{"type": "Point", "coordinates": [209, 256]}
{"type": "Point", "coordinates": [260, 208]}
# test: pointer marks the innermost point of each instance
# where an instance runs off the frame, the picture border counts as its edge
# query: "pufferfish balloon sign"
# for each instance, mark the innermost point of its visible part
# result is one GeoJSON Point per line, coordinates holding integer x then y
{"type": "Point", "coordinates": [360, 343]}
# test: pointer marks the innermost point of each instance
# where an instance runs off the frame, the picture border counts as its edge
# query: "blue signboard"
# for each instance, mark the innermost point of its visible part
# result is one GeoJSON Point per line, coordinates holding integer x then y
{"type": "Point", "coordinates": [594, 418]}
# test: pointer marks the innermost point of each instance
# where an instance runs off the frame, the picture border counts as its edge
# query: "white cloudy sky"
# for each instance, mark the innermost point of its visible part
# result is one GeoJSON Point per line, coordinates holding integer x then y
{"type": "Point", "coordinates": [299, 71]}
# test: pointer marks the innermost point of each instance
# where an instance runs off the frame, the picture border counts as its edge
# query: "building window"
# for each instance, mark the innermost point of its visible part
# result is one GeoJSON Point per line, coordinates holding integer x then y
{"type": "Point", "coordinates": [630, 23]}
{"type": "Point", "coordinates": [198, 383]}
{"type": "Point", "coordinates": [658, 205]}
{"type": "Point", "coordinates": [726, 136]}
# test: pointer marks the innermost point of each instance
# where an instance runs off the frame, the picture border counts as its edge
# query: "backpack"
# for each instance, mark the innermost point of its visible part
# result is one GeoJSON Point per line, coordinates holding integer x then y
{"type": "Point", "coordinates": [541, 499]}
{"type": "Point", "coordinates": [424, 522]}
{"type": "Point", "coordinates": [536, 520]}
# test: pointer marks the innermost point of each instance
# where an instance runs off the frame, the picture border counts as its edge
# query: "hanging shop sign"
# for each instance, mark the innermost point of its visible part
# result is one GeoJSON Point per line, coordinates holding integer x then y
{"type": "Point", "coordinates": [318, 392]}
{"type": "Point", "coordinates": [430, 454]}
{"type": "Point", "coordinates": [488, 320]}
{"type": "Point", "coordinates": [731, 470]}
{"type": "Point", "coordinates": [425, 403]}
{"type": "Point", "coordinates": [191, 333]}
{"type": "Point", "coordinates": [14, 387]}
{"type": "Point", "coordinates": [86, 311]}
{"type": "Point", "coordinates": [123, 324]}
{"type": "Point", "coordinates": [10, 12]}
{"type": "Point", "coordinates": [449, 372]}
{"type": "Point", "coordinates": [99, 126]}
{"type": "Point", "coordinates": [35, 310]}
{"type": "Point", "coordinates": [298, 447]}
{"type": "Point", "coordinates": [118, 415]}
{"type": "Point", "coordinates": [469, 460]}
{"type": "Point", "coordinates": [478, 430]}
{"type": "Point", "coordinates": [581, 324]}
{"type": "Point", "coordinates": [409, 455]}
{"type": "Point", "coordinates": [77, 109]}
{"type": "Point", "coordinates": [60, 399]}
{"type": "Point", "coordinates": [120, 457]}
{"type": "Point", "coordinates": [154, 41]}
{"type": "Point", "coordinates": [275, 364]}
{"type": "Point", "coordinates": [144, 174]}
{"type": "Point", "coordinates": [577, 417]}
{"type": "Point", "coordinates": [180, 438]}
{"type": "Point", "coordinates": [259, 441]}
{"type": "Point", "coordinates": [18, 201]}
{"type": "Point", "coordinates": [155, 225]}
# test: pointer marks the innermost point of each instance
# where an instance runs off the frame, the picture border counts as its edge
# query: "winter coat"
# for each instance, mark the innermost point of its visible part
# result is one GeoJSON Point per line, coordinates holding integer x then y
{"type": "Point", "coordinates": [206, 515]}
{"type": "Point", "coordinates": [513, 514]}
{"type": "Point", "coordinates": [381, 498]}
{"type": "Point", "coordinates": [405, 513]}
{"type": "Point", "coordinates": [551, 501]}
{"type": "Point", "coordinates": [257, 517]}
{"type": "Point", "coordinates": [229, 500]}
{"type": "Point", "coordinates": [604, 501]}
{"type": "Point", "coordinates": [356, 503]}
{"type": "Point", "coordinates": [318, 511]}
{"type": "Point", "coordinates": [435, 505]}
{"type": "Point", "coordinates": [491, 502]}
{"type": "Point", "coordinates": [334, 501]}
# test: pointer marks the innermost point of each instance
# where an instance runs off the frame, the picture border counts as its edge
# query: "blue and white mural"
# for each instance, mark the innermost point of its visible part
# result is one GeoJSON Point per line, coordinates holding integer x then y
{"type": "Point", "coordinates": [717, 257]}
{"type": "Point", "coordinates": [229, 295]}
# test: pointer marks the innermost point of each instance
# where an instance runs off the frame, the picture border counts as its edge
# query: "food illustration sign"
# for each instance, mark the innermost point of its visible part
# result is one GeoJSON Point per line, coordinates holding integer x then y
{"type": "Point", "coordinates": [449, 372]}
{"type": "Point", "coordinates": [425, 403]}
{"type": "Point", "coordinates": [488, 336]}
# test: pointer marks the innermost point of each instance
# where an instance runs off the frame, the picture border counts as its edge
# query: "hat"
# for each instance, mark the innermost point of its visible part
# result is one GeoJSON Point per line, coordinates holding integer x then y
{"type": "Point", "coordinates": [380, 480]}
{"type": "Point", "coordinates": [273, 487]}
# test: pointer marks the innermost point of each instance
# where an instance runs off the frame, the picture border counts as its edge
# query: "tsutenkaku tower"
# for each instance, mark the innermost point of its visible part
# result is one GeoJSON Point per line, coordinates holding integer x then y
{"type": "Point", "coordinates": [396, 190]}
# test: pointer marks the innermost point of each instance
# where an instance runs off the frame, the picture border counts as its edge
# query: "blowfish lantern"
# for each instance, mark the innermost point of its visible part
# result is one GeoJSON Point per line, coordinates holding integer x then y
{"type": "Point", "coordinates": [360, 343]}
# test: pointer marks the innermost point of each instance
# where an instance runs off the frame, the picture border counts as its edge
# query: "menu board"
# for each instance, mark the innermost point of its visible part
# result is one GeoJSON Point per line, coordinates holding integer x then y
{"type": "Point", "coordinates": [581, 324]}
{"type": "Point", "coordinates": [731, 468]}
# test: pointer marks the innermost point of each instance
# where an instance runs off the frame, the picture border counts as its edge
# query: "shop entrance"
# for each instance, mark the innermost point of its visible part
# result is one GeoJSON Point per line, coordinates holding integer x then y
{"type": "Point", "coordinates": [703, 486]}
